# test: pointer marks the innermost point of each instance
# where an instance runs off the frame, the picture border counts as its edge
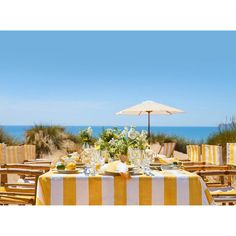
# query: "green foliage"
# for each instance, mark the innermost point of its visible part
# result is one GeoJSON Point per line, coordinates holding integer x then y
{"type": "Point", "coordinates": [117, 142]}
{"type": "Point", "coordinates": [86, 137]}
{"type": "Point", "coordinates": [181, 143]}
{"type": "Point", "coordinates": [6, 138]}
{"type": "Point", "coordinates": [108, 134]}
{"type": "Point", "coordinates": [46, 138]}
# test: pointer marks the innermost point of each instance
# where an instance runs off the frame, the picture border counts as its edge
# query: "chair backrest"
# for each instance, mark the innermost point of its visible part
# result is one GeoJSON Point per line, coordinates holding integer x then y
{"type": "Point", "coordinates": [40, 167]}
{"type": "Point", "coordinates": [194, 153]}
{"type": "Point", "coordinates": [168, 149]}
{"type": "Point", "coordinates": [231, 153]}
{"type": "Point", "coordinates": [31, 167]}
{"type": "Point", "coordinates": [29, 152]}
{"type": "Point", "coordinates": [212, 154]}
{"type": "Point", "coordinates": [14, 155]}
{"type": "Point", "coordinates": [3, 153]}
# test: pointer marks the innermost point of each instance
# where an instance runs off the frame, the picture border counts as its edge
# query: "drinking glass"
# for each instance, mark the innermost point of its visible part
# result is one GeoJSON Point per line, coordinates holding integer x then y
{"type": "Point", "coordinates": [146, 161]}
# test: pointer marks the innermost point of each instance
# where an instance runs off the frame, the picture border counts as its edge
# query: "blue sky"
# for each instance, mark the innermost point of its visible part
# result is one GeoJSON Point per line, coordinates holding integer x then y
{"type": "Point", "coordinates": [84, 78]}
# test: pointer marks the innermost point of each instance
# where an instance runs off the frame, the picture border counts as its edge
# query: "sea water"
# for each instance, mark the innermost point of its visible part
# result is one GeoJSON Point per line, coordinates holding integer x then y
{"type": "Point", "coordinates": [191, 133]}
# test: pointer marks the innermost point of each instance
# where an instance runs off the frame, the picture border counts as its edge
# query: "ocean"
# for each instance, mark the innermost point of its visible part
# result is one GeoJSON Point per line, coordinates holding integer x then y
{"type": "Point", "coordinates": [191, 133]}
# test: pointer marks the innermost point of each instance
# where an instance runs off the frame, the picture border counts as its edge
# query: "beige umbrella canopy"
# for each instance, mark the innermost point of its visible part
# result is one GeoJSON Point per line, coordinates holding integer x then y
{"type": "Point", "coordinates": [148, 108]}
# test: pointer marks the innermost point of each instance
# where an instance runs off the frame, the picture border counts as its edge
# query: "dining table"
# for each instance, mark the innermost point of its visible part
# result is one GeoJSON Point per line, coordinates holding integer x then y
{"type": "Point", "coordinates": [169, 187]}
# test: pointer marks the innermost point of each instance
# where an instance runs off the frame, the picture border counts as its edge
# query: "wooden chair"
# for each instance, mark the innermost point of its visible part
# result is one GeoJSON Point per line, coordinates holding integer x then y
{"type": "Point", "coordinates": [222, 193]}
{"type": "Point", "coordinates": [231, 154]}
{"type": "Point", "coordinates": [194, 153]}
{"type": "Point", "coordinates": [44, 168]}
{"type": "Point", "coordinates": [212, 154]}
{"type": "Point", "coordinates": [3, 152]}
{"type": "Point", "coordinates": [204, 167]}
{"type": "Point", "coordinates": [211, 158]}
{"type": "Point", "coordinates": [168, 149]}
{"type": "Point", "coordinates": [14, 154]}
{"type": "Point", "coordinates": [29, 152]}
{"type": "Point", "coordinates": [39, 161]}
{"type": "Point", "coordinates": [191, 163]}
{"type": "Point", "coordinates": [18, 193]}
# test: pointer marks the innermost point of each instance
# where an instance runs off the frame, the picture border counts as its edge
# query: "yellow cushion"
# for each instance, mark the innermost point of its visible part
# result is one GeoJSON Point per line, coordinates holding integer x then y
{"type": "Point", "coordinates": [223, 191]}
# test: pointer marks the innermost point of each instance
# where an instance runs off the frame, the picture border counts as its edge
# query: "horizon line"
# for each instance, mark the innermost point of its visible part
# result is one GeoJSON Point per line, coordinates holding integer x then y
{"type": "Point", "coordinates": [214, 126]}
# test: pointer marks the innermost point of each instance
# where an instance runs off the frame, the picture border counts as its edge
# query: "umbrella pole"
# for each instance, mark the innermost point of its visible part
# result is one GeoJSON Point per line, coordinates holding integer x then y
{"type": "Point", "coordinates": [149, 127]}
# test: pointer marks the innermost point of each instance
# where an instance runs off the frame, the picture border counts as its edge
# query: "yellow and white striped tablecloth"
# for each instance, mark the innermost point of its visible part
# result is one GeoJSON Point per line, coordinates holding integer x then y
{"type": "Point", "coordinates": [165, 188]}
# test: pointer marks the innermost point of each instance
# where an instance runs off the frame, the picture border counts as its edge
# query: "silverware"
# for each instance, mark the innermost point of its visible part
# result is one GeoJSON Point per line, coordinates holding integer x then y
{"type": "Point", "coordinates": [149, 173]}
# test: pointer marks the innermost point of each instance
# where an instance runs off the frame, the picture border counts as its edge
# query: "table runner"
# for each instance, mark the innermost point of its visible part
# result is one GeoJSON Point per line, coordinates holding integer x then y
{"type": "Point", "coordinates": [165, 188]}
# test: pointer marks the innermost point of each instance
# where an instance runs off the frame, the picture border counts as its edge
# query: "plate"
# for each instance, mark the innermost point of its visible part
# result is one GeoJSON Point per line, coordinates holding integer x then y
{"type": "Point", "coordinates": [77, 171]}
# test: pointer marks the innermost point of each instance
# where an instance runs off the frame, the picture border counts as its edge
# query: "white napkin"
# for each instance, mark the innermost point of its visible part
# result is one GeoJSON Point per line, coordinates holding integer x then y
{"type": "Point", "coordinates": [116, 166]}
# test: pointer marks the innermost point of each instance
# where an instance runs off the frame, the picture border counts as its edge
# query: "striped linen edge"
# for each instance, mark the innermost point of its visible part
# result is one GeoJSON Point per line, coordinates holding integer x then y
{"type": "Point", "coordinates": [175, 188]}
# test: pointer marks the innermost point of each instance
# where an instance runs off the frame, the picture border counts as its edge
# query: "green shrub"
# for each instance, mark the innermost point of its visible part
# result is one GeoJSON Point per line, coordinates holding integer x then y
{"type": "Point", "coordinates": [7, 139]}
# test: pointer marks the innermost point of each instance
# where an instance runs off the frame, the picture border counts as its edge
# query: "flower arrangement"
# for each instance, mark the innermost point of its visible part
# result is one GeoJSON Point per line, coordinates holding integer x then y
{"type": "Point", "coordinates": [117, 142]}
{"type": "Point", "coordinates": [86, 136]}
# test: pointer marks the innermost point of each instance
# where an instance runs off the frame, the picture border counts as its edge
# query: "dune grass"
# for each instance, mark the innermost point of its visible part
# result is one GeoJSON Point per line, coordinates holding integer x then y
{"type": "Point", "coordinates": [7, 139]}
{"type": "Point", "coordinates": [45, 138]}
{"type": "Point", "coordinates": [226, 134]}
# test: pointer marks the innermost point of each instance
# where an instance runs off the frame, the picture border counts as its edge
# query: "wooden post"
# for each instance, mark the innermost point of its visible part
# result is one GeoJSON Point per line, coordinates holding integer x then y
{"type": "Point", "coordinates": [149, 126]}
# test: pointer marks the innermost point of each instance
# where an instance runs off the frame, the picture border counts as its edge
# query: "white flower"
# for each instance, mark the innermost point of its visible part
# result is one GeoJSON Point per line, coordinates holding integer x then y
{"type": "Point", "coordinates": [143, 134]}
{"type": "Point", "coordinates": [109, 131]}
{"type": "Point", "coordinates": [124, 133]}
{"type": "Point", "coordinates": [112, 142]}
{"type": "Point", "coordinates": [90, 131]}
{"type": "Point", "coordinates": [132, 134]}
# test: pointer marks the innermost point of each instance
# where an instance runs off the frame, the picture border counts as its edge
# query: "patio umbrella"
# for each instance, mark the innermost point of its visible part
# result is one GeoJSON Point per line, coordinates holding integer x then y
{"type": "Point", "coordinates": [148, 108]}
